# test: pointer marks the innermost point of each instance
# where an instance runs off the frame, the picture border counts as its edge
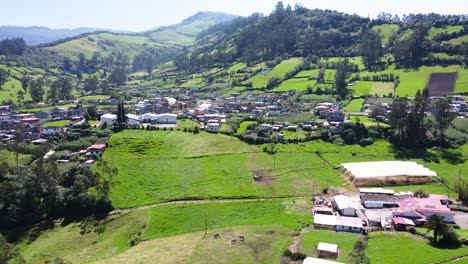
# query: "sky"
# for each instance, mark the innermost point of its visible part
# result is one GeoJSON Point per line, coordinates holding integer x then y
{"type": "Point", "coordinates": [140, 15]}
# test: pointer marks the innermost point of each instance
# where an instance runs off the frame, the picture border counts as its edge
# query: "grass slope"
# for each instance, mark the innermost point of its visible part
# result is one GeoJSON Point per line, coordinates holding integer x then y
{"type": "Point", "coordinates": [260, 80]}
{"type": "Point", "coordinates": [68, 243]}
{"type": "Point", "coordinates": [386, 31]}
{"type": "Point", "coordinates": [413, 80]}
{"type": "Point", "coordinates": [263, 244]}
{"type": "Point", "coordinates": [174, 165]}
{"type": "Point", "coordinates": [354, 105]}
{"type": "Point", "coordinates": [176, 219]}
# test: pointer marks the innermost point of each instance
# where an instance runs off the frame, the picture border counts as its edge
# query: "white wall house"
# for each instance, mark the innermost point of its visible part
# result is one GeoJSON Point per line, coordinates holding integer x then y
{"type": "Point", "coordinates": [51, 131]}
{"type": "Point", "coordinates": [212, 127]}
{"type": "Point", "coordinates": [167, 118]}
{"type": "Point", "coordinates": [108, 119]}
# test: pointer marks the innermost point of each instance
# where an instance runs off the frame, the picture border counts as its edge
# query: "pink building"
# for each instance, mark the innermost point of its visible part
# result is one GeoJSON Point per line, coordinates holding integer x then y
{"type": "Point", "coordinates": [420, 209]}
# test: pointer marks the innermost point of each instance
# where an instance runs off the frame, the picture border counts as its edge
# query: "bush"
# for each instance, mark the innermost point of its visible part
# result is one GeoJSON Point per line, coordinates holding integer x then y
{"type": "Point", "coordinates": [450, 239]}
{"type": "Point", "coordinates": [366, 141]}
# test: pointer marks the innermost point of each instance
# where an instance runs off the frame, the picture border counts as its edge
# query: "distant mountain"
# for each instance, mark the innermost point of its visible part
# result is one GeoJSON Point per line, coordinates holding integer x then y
{"type": "Point", "coordinates": [197, 23]}
{"type": "Point", "coordinates": [162, 38]}
{"type": "Point", "coordinates": [39, 35]}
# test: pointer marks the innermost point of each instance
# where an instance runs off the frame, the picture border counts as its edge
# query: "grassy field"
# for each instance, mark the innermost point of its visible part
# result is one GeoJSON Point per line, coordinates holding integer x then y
{"type": "Point", "coordinates": [392, 248]}
{"type": "Point", "coordinates": [67, 242]}
{"type": "Point", "coordinates": [171, 36]}
{"type": "Point", "coordinates": [298, 84]}
{"type": "Point", "coordinates": [354, 105]}
{"type": "Point", "coordinates": [381, 88]}
{"type": "Point", "coordinates": [45, 108]}
{"type": "Point", "coordinates": [175, 165]}
{"type": "Point", "coordinates": [360, 88]}
{"type": "Point", "coordinates": [263, 244]}
{"type": "Point", "coordinates": [94, 97]}
{"type": "Point", "coordinates": [238, 66]}
{"type": "Point", "coordinates": [458, 40]}
{"type": "Point", "coordinates": [260, 80]}
{"type": "Point", "coordinates": [344, 240]}
{"type": "Point", "coordinates": [386, 31]}
{"type": "Point", "coordinates": [354, 60]}
{"type": "Point", "coordinates": [243, 126]}
{"type": "Point", "coordinates": [448, 29]}
{"type": "Point", "coordinates": [413, 80]}
{"type": "Point", "coordinates": [175, 219]}
{"type": "Point", "coordinates": [367, 121]}
{"type": "Point", "coordinates": [60, 123]}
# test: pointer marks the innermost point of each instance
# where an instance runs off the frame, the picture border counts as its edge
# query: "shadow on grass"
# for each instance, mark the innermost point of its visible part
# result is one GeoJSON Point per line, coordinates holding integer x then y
{"type": "Point", "coordinates": [403, 154]}
{"type": "Point", "coordinates": [452, 156]}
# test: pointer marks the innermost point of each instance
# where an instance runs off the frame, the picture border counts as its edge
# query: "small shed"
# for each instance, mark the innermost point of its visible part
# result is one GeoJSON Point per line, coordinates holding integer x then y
{"type": "Point", "coordinates": [326, 250]}
{"type": "Point", "coordinates": [402, 224]}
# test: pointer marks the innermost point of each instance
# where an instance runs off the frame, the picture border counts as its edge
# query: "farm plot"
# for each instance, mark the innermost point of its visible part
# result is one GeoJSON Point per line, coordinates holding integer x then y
{"type": "Point", "coordinates": [176, 219]}
{"type": "Point", "coordinates": [261, 79]}
{"type": "Point", "coordinates": [413, 80]}
{"type": "Point", "coordinates": [168, 165]}
{"type": "Point", "coordinates": [354, 105]}
{"type": "Point", "coordinates": [382, 248]}
{"type": "Point", "coordinates": [81, 242]}
{"type": "Point", "coordinates": [441, 84]}
{"type": "Point", "coordinates": [298, 84]}
{"type": "Point", "coordinates": [262, 244]}
{"type": "Point", "coordinates": [344, 240]}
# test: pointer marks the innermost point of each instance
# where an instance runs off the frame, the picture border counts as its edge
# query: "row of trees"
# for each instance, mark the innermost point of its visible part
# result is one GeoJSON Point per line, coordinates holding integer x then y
{"type": "Point", "coordinates": [15, 46]}
{"type": "Point", "coordinates": [411, 126]}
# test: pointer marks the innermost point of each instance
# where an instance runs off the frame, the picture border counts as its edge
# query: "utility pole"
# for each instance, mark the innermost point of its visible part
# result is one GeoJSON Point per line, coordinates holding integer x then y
{"type": "Point", "coordinates": [313, 190]}
{"type": "Point", "coordinates": [206, 226]}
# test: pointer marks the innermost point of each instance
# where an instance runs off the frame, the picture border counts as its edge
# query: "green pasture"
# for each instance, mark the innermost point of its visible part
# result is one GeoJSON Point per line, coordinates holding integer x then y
{"type": "Point", "coordinates": [260, 80]}
{"type": "Point", "coordinates": [386, 31]}
{"type": "Point", "coordinates": [386, 247]}
{"type": "Point", "coordinates": [66, 241]}
{"type": "Point", "coordinates": [171, 36]}
{"type": "Point", "coordinates": [360, 88]}
{"type": "Point", "coordinates": [176, 219]}
{"type": "Point", "coordinates": [298, 84]}
{"type": "Point", "coordinates": [459, 40]}
{"type": "Point", "coordinates": [355, 60]}
{"type": "Point", "coordinates": [354, 105]}
{"type": "Point", "coordinates": [448, 30]}
{"type": "Point", "coordinates": [161, 166]}
{"type": "Point", "coordinates": [264, 244]}
{"type": "Point", "coordinates": [60, 123]}
{"type": "Point", "coordinates": [413, 80]}
{"type": "Point", "coordinates": [94, 97]}
{"type": "Point", "coordinates": [243, 126]}
{"type": "Point", "coordinates": [344, 240]}
{"type": "Point", "coordinates": [238, 66]}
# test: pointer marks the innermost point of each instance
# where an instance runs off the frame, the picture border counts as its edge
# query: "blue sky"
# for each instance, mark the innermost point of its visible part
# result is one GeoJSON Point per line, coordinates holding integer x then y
{"type": "Point", "coordinates": [139, 15]}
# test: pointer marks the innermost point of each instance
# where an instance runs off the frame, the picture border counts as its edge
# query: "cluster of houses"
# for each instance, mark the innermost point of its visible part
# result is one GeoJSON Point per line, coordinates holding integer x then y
{"type": "Point", "coordinates": [34, 125]}
{"type": "Point", "coordinates": [404, 210]}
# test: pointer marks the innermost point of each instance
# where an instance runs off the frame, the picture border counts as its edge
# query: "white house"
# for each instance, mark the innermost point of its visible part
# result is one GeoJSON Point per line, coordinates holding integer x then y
{"type": "Point", "coordinates": [167, 118]}
{"type": "Point", "coordinates": [108, 119]}
{"type": "Point", "coordinates": [212, 127]}
{"type": "Point", "coordinates": [132, 120]}
{"type": "Point", "coordinates": [51, 131]}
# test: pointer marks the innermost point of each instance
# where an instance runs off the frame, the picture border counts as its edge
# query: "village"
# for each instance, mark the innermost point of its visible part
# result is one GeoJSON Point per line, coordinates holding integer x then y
{"type": "Point", "coordinates": [363, 210]}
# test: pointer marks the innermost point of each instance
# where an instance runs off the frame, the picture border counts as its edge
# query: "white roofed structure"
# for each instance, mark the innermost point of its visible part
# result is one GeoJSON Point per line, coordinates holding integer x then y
{"type": "Point", "coordinates": [391, 172]}
{"type": "Point", "coordinates": [310, 260]}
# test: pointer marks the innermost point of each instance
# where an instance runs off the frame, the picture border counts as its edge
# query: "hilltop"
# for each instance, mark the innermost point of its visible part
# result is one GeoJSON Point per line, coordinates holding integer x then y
{"type": "Point", "coordinates": [36, 35]}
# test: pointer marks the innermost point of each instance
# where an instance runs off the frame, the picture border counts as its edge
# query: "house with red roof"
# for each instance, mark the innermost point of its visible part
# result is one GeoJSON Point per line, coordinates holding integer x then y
{"type": "Point", "coordinates": [420, 209]}
{"type": "Point", "coordinates": [96, 150]}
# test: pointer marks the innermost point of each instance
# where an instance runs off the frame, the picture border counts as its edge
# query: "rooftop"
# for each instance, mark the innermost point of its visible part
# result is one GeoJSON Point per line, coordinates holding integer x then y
{"type": "Point", "coordinates": [327, 247]}
{"type": "Point", "coordinates": [387, 169]}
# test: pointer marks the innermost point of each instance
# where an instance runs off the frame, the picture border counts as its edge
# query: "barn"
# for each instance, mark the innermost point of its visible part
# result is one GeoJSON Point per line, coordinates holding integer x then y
{"type": "Point", "coordinates": [340, 202]}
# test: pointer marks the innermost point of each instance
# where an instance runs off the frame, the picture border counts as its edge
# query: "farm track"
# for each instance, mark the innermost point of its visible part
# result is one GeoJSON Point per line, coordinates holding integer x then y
{"type": "Point", "coordinates": [229, 200]}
